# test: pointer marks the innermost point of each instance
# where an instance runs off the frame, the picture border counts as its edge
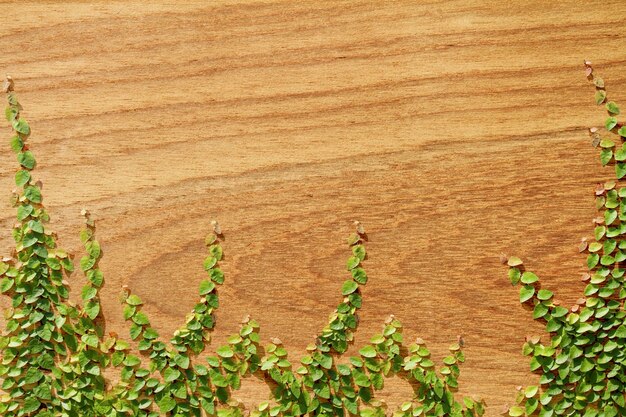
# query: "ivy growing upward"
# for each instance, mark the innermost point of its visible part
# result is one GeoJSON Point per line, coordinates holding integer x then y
{"type": "Point", "coordinates": [583, 366]}
{"type": "Point", "coordinates": [54, 353]}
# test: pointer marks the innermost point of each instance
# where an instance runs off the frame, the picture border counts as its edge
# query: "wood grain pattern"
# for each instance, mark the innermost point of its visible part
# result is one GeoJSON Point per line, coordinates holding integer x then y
{"type": "Point", "coordinates": [454, 130]}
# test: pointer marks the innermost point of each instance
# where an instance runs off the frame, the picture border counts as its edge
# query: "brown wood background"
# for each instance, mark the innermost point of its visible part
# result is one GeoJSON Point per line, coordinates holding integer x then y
{"type": "Point", "coordinates": [454, 130]}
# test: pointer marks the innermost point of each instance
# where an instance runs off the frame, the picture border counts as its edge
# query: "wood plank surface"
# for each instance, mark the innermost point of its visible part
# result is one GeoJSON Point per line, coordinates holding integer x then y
{"type": "Point", "coordinates": [454, 130]}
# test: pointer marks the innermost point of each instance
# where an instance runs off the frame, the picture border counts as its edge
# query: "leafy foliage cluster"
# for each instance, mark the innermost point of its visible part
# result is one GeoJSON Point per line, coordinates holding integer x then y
{"type": "Point", "coordinates": [54, 354]}
{"type": "Point", "coordinates": [583, 367]}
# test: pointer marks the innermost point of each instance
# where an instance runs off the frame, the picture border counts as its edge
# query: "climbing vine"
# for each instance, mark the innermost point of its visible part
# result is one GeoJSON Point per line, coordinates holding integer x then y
{"type": "Point", "coordinates": [583, 365]}
{"type": "Point", "coordinates": [54, 353]}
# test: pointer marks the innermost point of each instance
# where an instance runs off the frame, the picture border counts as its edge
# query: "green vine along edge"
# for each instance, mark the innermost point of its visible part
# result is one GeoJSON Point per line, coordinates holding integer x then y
{"type": "Point", "coordinates": [54, 353]}
{"type": "Point", "coordinates": [582, 368]}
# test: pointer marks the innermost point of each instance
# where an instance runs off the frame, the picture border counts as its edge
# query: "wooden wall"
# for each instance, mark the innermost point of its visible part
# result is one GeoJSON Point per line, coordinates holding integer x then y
{"type": "Point", "coordinates": [454, 130]}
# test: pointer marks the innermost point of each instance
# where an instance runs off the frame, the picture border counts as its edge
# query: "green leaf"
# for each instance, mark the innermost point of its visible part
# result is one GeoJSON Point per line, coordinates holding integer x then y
{"type": "Point", "coordinates": [349, 287]}
{"type": "Point", "coordinates": [210, 239]}
{"type": "Point", "coordinates": [135, 331]}
{"type": "Point", "coordinates": [88, 292]}
{"type": "Point", "coordinates": [133, 300]}
{"type": "Point", "coordinates": [141, 319]}
{"type": "Point", "coordinates": [352, 262]}
{"type": "Point", "coordinates": [216, 275]}
{"type": "Point", "coordinates": [35, 226]}
{"type": "Point", "coordinates": [607, 143]}
{"type": "Point", "coordinates": [22, 177]}
{"type": "Point", "coordinates": [92, 309]}
{"type": "Point", "coordinates": [620, 169]}
{"type": "Point", "coordinates": [610, 216]}
{"type": "Point", "coordinates": [612, 107]}
{"type": "Point", "coordinates": [87, 262]}
{"type": "Point", "coordinates": [31, 404]}
{"type": "Point", "coordinates": [469, 403]}
{"type": "Point", "coordinates": [90, 340]}
{"type": "Point", "coordinates": [26, 159]}
{"type": "Point", "coordinates": [544, 294]}
{"type": "Point", "coordinates": [621, 332]}
{"type": "Point", "coordinates": [540, 311]}
{"type": "Point", "coordinates": [209, 262]}
{"type": "Point", "coordinates": [605, 156]}
{"type": "Point", "coordinates": [622, 131]}
{"type": "Point", "coordinates": [620, 155]}
{"type": "Point", "coordinates": [33, 194]}
{"type": "Point", "coordinates": [96, 277]}
{"type": "Point", "coordinates": [166, 404]}
{"type": "Point", "coordinates": [361, 379]}
{"type": "Point", "coordinates": [132, 360]}
{"type": "Point", "coordinates": [17, 143]}
{"type": "Point", "coordinates": [85, 235]}
{"type": "Point", "coordinates": [225, 351]}
{"type": "Point", "coordinates": [145, 403]}
{"type": "Point", "coordinates": [514, 261]}
{"type": "Point", "coordinates": [129, 311]}
{"type": "Point", "coordinates": [600, 96]}
{"type": "Point", "coordinates": [32, 375]}
{"type": "Point", "coordinates": [170, 374]}
{"type": "Point", "coordinates": [21, 126]}
{"type": "Point", "coordinates": [610, 123]}
{"type": "Point", "coordinates": [6, 284]}
{"type": "Point", "coordinates": [206, 286]}
{"type": "Point", "coordinates": [325, 361]}
{"type": "Point", "coordinates": [24, 211]}
{"type": "Point", "coordinates": [321, 390]}
{"type": "Point", "coordinates": [93, 248]}
{"type": "Point", "coordinates": [359, 252]}
{"type": "Point", "coordinates": [517, 411]}
{"type": "Point", "coordinates": [182, 361]}
{"type": "Point", "coordinates": [368, 351]}
{"type": "Point", "coordinates": [11, 113]}
{"type": "Point", "coordinates": [359, 275]}
{"type": "Point", "coordinates": [529, 278]}
{"type": "Point", "coordinates": [594, 247]}
{"type": "Point", "coordinates": [216, 251]}
{"type": "Point", "coordinates": [353, 239]}
{"type": "Point", "coordinates": [29, 240]}
{"type": "Point", "coordinates": [526, 293]}
{"type": "Point", "coordinates": [514, 275]}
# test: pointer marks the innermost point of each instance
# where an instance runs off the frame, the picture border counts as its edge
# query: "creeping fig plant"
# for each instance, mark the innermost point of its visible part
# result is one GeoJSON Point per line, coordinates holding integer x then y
{"type": "Point", "coordinates": [583, 365]}
{"type": "Point", "coordinates": [54, 353]}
